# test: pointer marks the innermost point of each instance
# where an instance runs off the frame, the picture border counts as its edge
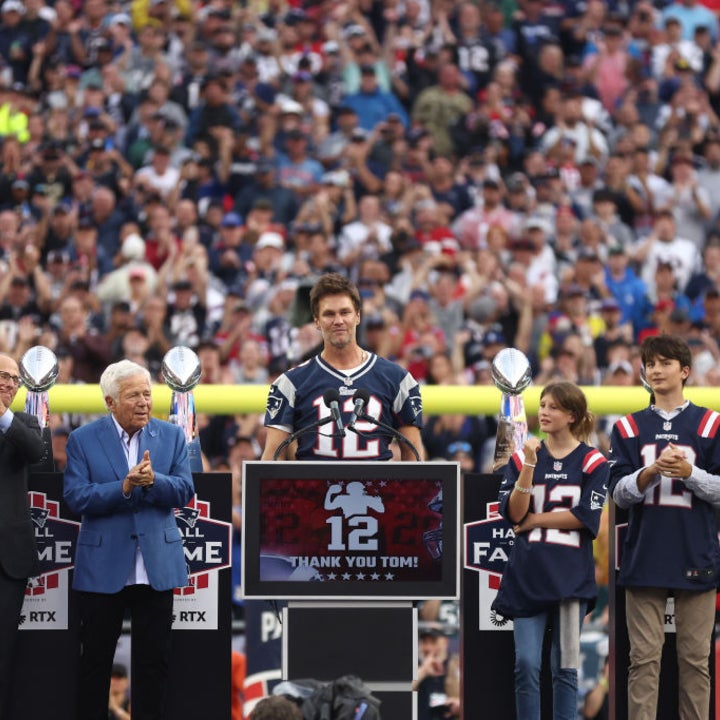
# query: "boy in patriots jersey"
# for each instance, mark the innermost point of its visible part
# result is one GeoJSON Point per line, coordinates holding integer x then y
{"type": "Point", "coordinates": [665, 470]}
{"type": "Point", "coordinates": [553, 493]}
{"type": "Point", "coordinates": [297, 399]}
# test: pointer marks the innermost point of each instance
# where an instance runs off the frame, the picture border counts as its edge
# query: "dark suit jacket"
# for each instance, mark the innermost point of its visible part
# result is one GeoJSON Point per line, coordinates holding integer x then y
{"type": "Point", "coordinates": [20, 447]}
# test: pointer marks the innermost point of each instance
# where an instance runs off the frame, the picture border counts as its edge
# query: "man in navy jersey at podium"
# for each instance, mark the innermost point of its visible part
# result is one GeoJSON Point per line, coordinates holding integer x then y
{"type": "Point", "coordinates": [665, 469]}
{"type": "Point", "coordinates": [333, 384]}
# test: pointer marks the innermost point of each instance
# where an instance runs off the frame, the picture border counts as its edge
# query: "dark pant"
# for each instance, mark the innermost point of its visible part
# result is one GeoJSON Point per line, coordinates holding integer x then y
{"type": "Point", "coordinates": [12, 592]}
{"type": "Point", "coordinates": [101, 618]}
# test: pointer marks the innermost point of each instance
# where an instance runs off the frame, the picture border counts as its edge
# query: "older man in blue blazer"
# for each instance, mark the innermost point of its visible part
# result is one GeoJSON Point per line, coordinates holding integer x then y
{"type": "Point", "coordinates": [125, 475]}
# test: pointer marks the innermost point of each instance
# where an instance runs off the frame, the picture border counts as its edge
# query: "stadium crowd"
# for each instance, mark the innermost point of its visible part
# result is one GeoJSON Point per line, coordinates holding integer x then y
{"type": "Point", "coordinates": [538, 174]}
{"type": "Point", "coordinates": [543, 174]}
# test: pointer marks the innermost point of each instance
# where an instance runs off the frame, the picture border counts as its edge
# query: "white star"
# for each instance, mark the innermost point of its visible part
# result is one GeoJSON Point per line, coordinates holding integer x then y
{"type": "Point", "coordinates": [346, 576]}
{"type": "Point", "coordinates": [360, 576]}
{"type": "Point", "coordinates": [375, 576]}
{"type": "Point", "coordinates": [331, 576]}
{"type": "Point", "coordinates": [389, 576]}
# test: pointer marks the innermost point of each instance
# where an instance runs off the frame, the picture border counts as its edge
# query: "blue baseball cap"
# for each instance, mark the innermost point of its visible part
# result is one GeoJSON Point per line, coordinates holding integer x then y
{"type": "Point", "coordinates": [231, 219]}
{"type": "Point", "coordinates": [459, 446]}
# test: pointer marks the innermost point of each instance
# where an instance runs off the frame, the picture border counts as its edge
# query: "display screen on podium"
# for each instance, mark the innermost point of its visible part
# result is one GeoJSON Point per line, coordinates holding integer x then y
{"type": "Point", "coordinates": [385, 530]}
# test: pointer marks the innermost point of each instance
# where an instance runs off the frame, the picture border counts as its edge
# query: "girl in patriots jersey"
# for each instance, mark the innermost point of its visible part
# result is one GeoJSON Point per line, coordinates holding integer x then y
{"type": "Point", "coordinates": [665, 470]}
{"type": "Point", "coordinates": [553, 493]}
{"type": "Point", "coordinates": [303, 397]}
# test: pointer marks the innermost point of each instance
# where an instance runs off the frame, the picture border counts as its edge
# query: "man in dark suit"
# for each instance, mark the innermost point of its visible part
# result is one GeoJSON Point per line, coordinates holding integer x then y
{"type": "Point", "coordinates": [125, 474]}
{"type": "Point", "coordinates": [20, 446]}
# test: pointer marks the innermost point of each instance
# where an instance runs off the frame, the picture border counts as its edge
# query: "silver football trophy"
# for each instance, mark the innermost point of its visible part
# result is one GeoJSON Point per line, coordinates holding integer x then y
{"type": "Point", "coordinates": [181, 372]}
{"type": "Point", "coordinates": [38, 372]}
{"type": "Point", "coordinates": [511, 375]}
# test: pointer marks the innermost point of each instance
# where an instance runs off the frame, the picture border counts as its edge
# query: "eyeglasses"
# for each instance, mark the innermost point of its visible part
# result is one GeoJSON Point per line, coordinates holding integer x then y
{"type": "Point", "coordinates": [6, 377]}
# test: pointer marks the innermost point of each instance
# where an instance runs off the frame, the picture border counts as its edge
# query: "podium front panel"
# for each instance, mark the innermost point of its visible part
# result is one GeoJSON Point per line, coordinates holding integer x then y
{"type": "Point", "coordinates": [341, 530]}
{"type": "Point", "coordinates": [373, 641]}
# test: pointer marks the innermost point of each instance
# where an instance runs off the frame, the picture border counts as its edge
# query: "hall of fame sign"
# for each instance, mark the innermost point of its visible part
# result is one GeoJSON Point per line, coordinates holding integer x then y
{"type": "Point", "coordinates": [46, 597]}
{"type": "Point", "coordinates": [486, 548]}
{"type": "Point", "coordinates": [206, 542]}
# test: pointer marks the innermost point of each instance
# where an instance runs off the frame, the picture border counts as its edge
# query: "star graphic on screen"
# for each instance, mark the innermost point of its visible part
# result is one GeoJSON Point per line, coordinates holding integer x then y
{"type": "Point", "coordinates": [389, 576]}
{"type": "Point", "coordinates": [360, 576]}
{"type": "Point", "coordinates": [331, 576]}
{"type": "Point", "coordinates": [346, 576]}
{"type": "Point", "coordinates": [383, 483]}
{"type": "Point", "coordinates": [375, 576]}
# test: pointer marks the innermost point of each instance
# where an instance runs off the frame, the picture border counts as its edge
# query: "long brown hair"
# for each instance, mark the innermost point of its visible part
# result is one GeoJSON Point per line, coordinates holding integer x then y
{"type": "Point", "coordinates": [572, 399]}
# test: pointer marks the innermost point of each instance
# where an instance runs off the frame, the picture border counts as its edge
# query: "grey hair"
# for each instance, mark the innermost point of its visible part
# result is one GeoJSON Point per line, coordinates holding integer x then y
{"type": "Point", "coordinates": [114, 375]}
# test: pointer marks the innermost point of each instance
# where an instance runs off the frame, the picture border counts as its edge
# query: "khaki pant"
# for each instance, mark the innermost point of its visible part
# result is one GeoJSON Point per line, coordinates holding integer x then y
{"type": "Point", "coordinates": [694, 622]}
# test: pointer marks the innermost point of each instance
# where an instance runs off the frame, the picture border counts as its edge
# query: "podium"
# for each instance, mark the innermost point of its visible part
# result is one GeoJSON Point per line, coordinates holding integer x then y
{"type": "Point", "coordinates": [350, 546]}
{"type": "Point", "coordinates": [48, 644]}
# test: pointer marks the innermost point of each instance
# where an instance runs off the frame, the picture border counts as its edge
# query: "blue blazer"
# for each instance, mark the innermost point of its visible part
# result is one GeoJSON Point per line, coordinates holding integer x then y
{"type": "Point", "coordinates": [112, 525]}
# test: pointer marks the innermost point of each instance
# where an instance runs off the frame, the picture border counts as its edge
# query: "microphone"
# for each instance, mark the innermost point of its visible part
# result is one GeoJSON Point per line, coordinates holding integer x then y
{"type": "Point", "coordinates": [362, 415]}
{"type": "Point", "coordinates": [361, 398]}
{"type": "Point", "coordinates": [331, 399]}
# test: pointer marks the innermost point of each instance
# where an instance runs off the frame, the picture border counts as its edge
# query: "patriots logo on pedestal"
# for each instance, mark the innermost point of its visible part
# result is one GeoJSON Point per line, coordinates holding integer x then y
{"type": "Point", "coordinates": [39, 516]}
{"type": "Point", "coordinates": [206, 543]}
{"type": "Point", "coordinates": [55, 538]}
{"type": "Point", "coordinates": [188, 515]}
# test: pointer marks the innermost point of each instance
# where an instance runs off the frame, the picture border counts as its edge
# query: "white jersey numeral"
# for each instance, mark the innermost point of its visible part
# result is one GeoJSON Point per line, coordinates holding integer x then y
{"type": "Point", "coordinates": [669, 492]}
{"type": "Point", "coordinates": [327, 445]}
{"type": "Point", "coordinates": [569, 495]}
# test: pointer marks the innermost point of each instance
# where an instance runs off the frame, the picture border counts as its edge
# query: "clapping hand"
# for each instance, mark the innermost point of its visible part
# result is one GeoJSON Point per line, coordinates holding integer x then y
{"type": "Point", "coordinates": [142, 475]}
{"type": "Point", "coordinates": [672, 462]}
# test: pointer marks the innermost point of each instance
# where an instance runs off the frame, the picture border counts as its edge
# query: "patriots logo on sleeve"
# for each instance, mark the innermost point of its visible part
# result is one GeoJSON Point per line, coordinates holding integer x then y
{"type": "Point", "coordinates": [274, 402]}
{"type": "Point", "coordinates": [416, 405]}
{"type": "Point", "coordinates": [597, 500]}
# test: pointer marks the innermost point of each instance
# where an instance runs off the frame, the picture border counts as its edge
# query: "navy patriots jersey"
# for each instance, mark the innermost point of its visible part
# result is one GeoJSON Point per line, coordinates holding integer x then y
{"type": "Point", "coordinates": [296, 401]}
{"type": "Point", "coordinates": [548, 566]}
{"type": "Point", "coordinates": [477, 57]}
{"type": "Point", "coordinates": [671, 539]}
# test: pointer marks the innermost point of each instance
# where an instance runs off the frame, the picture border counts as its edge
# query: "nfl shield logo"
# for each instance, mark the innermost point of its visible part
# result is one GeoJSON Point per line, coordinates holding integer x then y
{"type": "Point", "coordinates": [557, 466]}
{"type": "Point", "coordinates": [667, 426]}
